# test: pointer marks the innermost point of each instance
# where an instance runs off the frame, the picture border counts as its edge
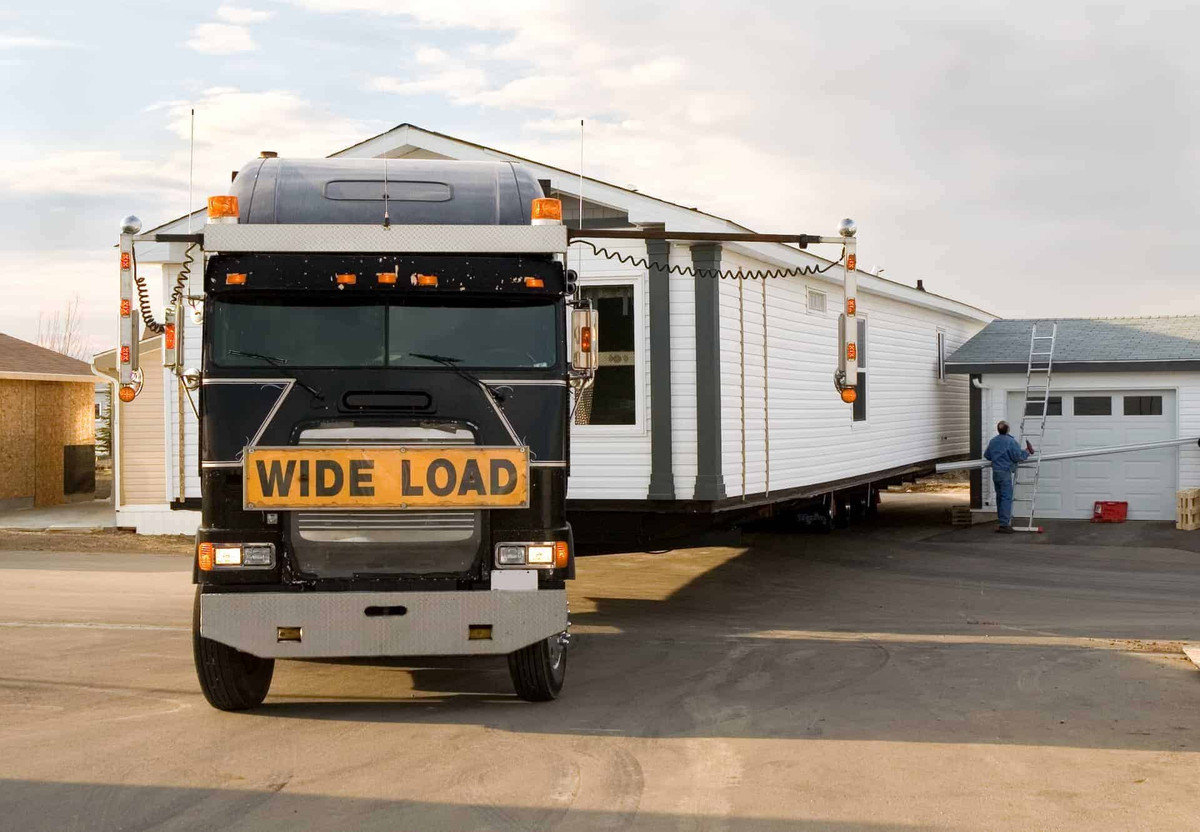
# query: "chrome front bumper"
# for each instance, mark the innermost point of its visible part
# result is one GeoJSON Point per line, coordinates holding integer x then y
{"type": "Point", "coordinates": [338, 624]}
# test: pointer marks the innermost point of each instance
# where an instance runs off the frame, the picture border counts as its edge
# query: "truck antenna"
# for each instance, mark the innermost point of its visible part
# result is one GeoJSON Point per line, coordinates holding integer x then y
{"type": "Point", "coordinates": [580, 251]}
{"type": "Point", "coordinates": [191, 165]}
{"type": "Point", "coordinates": [387, 222]}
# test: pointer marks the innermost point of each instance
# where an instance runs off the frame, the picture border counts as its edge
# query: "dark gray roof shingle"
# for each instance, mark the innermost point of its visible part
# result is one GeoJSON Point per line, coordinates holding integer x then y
{"type": "Point", "coordinates": [17, 356]}
{"type": "Point", "coordinates": [1084, 341]}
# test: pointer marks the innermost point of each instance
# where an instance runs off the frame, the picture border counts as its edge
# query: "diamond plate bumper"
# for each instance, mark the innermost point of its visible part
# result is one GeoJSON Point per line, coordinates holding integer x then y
{"type": "Point", "coordinates": [338, 624]}
{"type": "Point", "coordinates": [399, 239]}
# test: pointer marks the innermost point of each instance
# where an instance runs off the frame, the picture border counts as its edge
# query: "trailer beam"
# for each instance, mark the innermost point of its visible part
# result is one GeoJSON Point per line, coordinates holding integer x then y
{"type": "Point", "coordinates": [1113, 449]}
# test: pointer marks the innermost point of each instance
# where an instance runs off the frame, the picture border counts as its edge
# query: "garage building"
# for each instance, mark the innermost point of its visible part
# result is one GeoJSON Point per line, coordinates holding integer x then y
{"type": "Point", "coordinates": [1116, 381]}
{"type": "Point", "coordinates": [47, 432]}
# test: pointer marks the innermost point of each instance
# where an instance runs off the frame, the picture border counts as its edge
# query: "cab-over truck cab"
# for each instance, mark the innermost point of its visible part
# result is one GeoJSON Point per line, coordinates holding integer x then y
{"type": "Point", "coordinates": [383, 408]}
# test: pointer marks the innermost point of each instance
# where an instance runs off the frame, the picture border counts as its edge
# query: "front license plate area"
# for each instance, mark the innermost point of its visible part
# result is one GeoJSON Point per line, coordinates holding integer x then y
{"type": "Point", "coordinates": [456, 477]}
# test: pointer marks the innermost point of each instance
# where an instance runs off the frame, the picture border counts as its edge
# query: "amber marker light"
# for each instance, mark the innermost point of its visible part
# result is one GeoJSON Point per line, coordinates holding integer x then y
{"type": "Point", "coordinates": [849, 395]}
{"type": "Point", "coordinates": [851, 262]}
{"type": "Point", "coordinates": [204, 556]}
{"type": "Point", "coordinates": [347, 279]}
{"type": "Point", "coordinates": [424, 280]}
{"type": "Point", "coordinates": [223, 209]}
{"type": "Point", "coordinates": [125, 307]}
{"type": "Point", "coordinates": [235, 279]}
{"type": "Point", "coordinates": [561, 554]}
{"type": "Point", "coordinates": [546, 211]}
{"type": "Point", "coordinates": [851, 306]}
{"type": "Point", "coordinates": [534, 283]}
{"type": "Point", "coordinates": [386, 277]}
{"type": "Point", "coordinates": [127, 393]}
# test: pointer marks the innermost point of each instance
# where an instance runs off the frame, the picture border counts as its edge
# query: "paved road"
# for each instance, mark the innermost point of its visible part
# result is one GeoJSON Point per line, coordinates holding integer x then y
{"type": "Point", "coordinates": [894, 679]}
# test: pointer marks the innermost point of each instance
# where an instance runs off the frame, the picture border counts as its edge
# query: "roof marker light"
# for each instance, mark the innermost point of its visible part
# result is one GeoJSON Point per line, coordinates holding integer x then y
{"type": "Point", "coordinates": [347, 279]}
{"type": "Point", "coordinates": [223, 209]}
{"type": "Point", "coordinates": [424, 280]}
{"type": "Point", "coordinates": [546, 211]}
{"type": "Point", "coordinates": [534, 283]}
{"type": "Point", "coordinates": [386, 277]}
{"type": "Point", "coordinates": [235, 279]}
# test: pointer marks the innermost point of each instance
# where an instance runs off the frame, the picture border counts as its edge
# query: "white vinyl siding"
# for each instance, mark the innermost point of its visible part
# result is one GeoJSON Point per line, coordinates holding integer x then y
{"type": "Point", "coordinates": [174, 396]}
{"type": "Point", "coordinates": [612, 462]}
{"type": "Point", "coordinates": [912, 416]}
{"type": "Point", "coordinates": [140, 422]}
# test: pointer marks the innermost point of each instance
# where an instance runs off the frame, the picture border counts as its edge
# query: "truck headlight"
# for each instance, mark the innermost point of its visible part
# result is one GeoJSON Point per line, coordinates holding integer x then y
{"type": "Point", "coordinates": [510, 554]}
{"type": "Point", "coordinates": [541, 554]}
{"type": "Point", "coordinates": [258, 554]}
{"type": "Point", "coordinates": [228, 556]}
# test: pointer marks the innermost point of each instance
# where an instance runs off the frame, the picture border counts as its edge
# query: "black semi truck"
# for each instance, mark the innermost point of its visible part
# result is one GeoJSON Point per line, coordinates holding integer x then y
{"type": "Point", "coordinates": [383, 408]}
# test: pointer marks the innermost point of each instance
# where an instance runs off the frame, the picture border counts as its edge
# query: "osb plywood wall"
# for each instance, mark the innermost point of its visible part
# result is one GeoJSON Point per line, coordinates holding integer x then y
{"type": "Point", "coordinates": [16, 439]}
{"type": "Point", "coordinates": [37, 419]}
{"type": "Point", "coordinates": [65, 416]}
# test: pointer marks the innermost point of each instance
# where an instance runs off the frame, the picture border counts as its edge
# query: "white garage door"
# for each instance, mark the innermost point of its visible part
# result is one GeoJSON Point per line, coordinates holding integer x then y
{"type": "Point", "coordinates": [1077, 420]}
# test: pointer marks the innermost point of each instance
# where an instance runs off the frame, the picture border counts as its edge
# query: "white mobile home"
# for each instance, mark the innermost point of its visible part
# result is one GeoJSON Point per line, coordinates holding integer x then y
{"type": "Point", "coordinates": [712, 393]}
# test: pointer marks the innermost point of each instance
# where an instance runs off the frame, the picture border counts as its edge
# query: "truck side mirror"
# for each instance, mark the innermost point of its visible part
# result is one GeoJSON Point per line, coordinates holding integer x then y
{"type": "Point", "coordinates": [585, 340]}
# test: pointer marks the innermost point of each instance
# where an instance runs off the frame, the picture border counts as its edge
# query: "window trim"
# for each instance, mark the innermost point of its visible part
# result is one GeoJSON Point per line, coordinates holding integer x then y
{"type": "Point", "coordinates": [1075, 404]}
{"type": "Point", "coordinates": [864, 370]}
{"type": "Point", "coordinates": [809, 291]}
{"type": "Point", "coordinates": [641, 425]}
{"type": "Point", "coordinates": [940, 340]}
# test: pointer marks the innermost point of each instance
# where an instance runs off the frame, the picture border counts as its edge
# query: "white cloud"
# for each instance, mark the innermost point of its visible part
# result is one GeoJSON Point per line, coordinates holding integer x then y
{"type": "Point", "coordinates": [430, 55]}
{"type": "Point", "coordinates": [31, 42]}
{"type": "Point", "coordinates": [221, 39]}
{"type": "Point", "coordinates": [241, 15]}
{"type": "Point", "coordinates": [232, 127]}
{"type": "Point", "coordinates": [39, 282]}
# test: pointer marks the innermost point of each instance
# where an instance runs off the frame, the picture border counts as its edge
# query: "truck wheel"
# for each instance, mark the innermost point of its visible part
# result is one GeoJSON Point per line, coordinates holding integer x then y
{"type": "Point", "coordinates": [538, 670]}
{"type": "Point", "coordinates": [230, 679]}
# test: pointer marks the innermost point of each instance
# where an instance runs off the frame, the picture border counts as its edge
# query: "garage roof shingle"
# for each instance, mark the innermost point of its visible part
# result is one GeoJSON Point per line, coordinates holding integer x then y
{"type": "Point", "coordinates": [22, 359]}
{"type": "Point", "coordinates": [1085, 344]}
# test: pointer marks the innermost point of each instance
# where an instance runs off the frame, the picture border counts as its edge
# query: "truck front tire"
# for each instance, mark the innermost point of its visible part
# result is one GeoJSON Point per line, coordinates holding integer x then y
{"type": "Point", "coordinates": [230, 679]}
{"type": "Point", "coordinates": [538, 670]}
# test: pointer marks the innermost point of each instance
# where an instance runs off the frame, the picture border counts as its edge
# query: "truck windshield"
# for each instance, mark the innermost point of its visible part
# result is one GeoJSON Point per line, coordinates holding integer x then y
{"type": "Point", "coordinates": [491, 335]}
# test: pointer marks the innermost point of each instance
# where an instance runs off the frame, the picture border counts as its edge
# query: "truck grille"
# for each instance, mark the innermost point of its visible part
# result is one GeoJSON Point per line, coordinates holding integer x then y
{"type": "Point", "coordinates": [347, 543]}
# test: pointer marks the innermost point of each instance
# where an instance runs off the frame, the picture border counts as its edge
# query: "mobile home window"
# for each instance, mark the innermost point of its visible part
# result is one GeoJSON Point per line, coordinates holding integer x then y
{"type": "Point", "coordinates": [1143, 405]}
{"type": "Point", "coordinates": [1093, 405]}
{"type": "Point", "coordinates": [611, 399]}
{"type": "Point", "coordinates": [816, 302]}
{"type": "Point", "coordinates": [860, 403]}
{"type": "Point", "coordinates": [941, 355]}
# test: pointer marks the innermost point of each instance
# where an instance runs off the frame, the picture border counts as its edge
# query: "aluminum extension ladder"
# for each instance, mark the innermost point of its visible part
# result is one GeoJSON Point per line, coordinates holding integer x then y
{"type": "Point", "coordinates": [1035, 409]}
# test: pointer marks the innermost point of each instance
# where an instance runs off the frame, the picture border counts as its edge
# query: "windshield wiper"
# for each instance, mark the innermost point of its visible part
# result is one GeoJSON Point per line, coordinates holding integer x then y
{"type": "Point", "coordinates": [452, 362]}
{"type": "Point", "coordinates": [281, 364]}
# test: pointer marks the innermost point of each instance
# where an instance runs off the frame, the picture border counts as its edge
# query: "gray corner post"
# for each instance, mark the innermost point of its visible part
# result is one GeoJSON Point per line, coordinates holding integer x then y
{"type": "Point", "coordinates": [710, 484]}
{"type": "Point", "coordinates": [662, 480]}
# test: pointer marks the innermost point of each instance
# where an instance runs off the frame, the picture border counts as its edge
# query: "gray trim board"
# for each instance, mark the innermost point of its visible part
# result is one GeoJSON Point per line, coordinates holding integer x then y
{"type": "Point", "coordinates": [975, 443]}
{"type": "Point", "coordinates": [710, 484]}
{"type": "Point", "coordinates": [1079, 367]}
{"type": "Point", "coordinates": [662, 478]}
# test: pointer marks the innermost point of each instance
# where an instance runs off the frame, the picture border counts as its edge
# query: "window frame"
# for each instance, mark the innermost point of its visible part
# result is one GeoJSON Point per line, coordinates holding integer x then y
{"type": "Point", "coordinates": [809, 291]}
{"type": "Point", "coordinates": [1075, 399]}
{"type": "Point", "coordinates": [1125, 397]}
{"type": "Point", "coordinates": [863, 371]}
{"type": "Point", "coordinates": [940, 340]}
{"type": "Point", "coordinates": [640, 426]}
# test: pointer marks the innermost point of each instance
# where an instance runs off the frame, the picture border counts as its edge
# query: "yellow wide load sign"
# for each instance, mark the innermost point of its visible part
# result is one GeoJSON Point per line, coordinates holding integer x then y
{"type": "Point", "coordinates": [391, 478]}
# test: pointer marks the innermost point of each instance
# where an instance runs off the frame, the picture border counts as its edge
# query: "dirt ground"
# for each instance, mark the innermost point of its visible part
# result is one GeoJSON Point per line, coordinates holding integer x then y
{"type": "Point", "coordinates": [100, 541]}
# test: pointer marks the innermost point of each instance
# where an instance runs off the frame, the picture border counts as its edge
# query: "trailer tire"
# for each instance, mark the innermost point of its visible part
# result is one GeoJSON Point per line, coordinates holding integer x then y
{"type": "Point", "coordinates": [229, 679]}
{"type": "Point", "coordinates": [538, 671]}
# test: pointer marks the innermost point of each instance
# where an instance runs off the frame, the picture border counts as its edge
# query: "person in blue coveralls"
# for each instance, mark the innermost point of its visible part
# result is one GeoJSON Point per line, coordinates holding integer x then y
{"type": "Point", "coordinates": [1005, 454]}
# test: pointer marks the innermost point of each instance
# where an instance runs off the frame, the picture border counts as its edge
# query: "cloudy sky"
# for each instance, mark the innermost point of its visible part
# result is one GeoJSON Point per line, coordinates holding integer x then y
{"type": "Point", "coordinates": [1033, 159]}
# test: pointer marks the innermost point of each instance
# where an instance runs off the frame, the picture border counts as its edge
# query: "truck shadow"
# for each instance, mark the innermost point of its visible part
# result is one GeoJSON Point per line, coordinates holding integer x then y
{"type": "Point", "coordinates": [865, 635]}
